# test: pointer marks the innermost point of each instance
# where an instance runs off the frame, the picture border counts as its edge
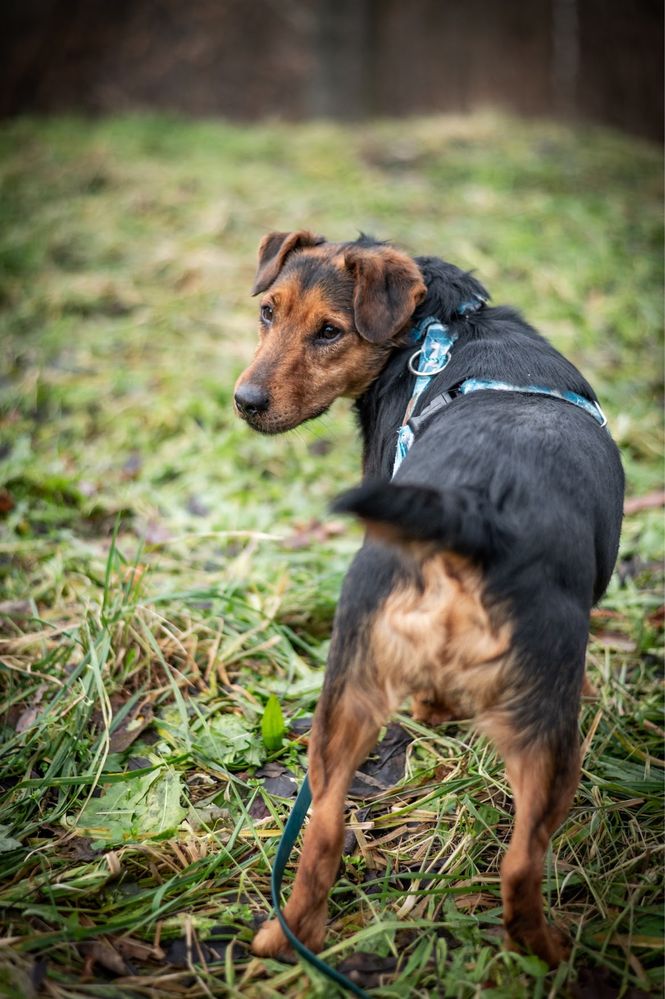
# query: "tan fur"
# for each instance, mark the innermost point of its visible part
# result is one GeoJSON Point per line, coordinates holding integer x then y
{"type": "Point", "coordinates": [440, 643]}
{"type": "Point", "coordinates": [304, 379]}
{"type": "Point", "coordinates": [543, 796]}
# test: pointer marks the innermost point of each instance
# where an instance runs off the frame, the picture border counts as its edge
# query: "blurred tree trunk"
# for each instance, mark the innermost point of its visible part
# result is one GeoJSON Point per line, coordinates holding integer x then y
{"type": "Point", "coordinates": [345, 33]}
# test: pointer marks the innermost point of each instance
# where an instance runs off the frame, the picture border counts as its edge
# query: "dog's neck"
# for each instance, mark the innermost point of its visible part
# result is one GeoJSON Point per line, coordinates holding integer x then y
{"type": "Point", "coordinates": [494, 343]}
{"type": "Point", "coordinates": [381, 408]}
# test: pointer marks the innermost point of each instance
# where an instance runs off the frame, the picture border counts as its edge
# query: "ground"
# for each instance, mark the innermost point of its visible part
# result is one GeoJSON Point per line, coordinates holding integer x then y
{"type": "Point", "coordinates": [169, 578]}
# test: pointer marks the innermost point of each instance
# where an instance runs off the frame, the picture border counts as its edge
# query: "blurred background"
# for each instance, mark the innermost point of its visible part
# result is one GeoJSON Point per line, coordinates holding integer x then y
{"type": "Point", "coordinates": [348, 59]}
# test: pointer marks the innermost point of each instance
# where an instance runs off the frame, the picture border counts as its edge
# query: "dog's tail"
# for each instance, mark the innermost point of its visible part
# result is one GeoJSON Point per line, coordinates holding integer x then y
{"type": "Point", "coordinates": [460, 520]}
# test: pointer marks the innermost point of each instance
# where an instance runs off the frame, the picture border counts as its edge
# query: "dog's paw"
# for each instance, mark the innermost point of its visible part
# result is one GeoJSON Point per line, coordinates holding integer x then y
{"type": "Point", "coordinates": [549, 943]}
{"type": "Point", "coordinates": [431, 712]}
{"type": "Point", "coordinates": [270, 941]}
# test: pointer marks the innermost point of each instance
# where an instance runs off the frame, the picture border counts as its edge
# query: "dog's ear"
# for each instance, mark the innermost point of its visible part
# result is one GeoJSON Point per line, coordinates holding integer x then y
{"type": "Point", "coordinates": [273, 251]}
{"type": "Point", "coordinates": [388, 288]}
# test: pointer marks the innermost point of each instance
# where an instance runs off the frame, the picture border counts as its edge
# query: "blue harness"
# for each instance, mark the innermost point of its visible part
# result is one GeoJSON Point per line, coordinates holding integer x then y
{"type": "Point", "coordinates": [432, 358]}
{"type": "Point", "coordinates": [437, 342]}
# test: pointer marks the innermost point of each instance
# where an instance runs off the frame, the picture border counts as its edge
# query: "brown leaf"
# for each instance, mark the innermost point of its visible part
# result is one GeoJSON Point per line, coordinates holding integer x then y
{"type": "Point", "coordinates": [28, 717]}
{"type": "Point", "coordinates": [132, 466]}
{"type": "Point", "coordinates": [15, 608]}
{"type": "Point", "coordinates": [6, 501]}
{"type": "Point", "coordinates": [138, 950]}
{"type": "Point", "coordinates": [368, 970]}
{"type": "Point", "coordinates": [602, 613]}
{"type": "Point", "coordinates": [385, 766]}
{"type": "Point", "coordinates": [657, 618]}
{"type": "Point", "coordinates": [314, 532]}
{"type": "Point", "coordinates": [614, 640]}
{"type": "Point", "coordinates": [136, 722]}
{"type": "Point", "coordinates": [156, 533]}
{"type": "Point", "coordinates": [650, 501]}
{"type": "Point", "coordinates": [103, 953]}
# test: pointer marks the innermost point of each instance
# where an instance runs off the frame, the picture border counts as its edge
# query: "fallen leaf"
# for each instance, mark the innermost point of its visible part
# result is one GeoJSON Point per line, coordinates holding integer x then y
{"type": "Point", "coordinates": [614, 640]}
{"type": "Point", "coordinates": [258, 809]}
{"type": "Point", "coordinates": [278, 780]}
{"type": "Point", "coordinates": [140, 807]}
{"type": "Point", "coordinates": [197, 507]}
{"type": "Point", "coordinates": [313, 532]}
{"type": "Point", "coordinates": [156, 533]}
{"type": "Point", "coordinates": [300, 726]}
{"type": "Point", "coordinates": [368, 970]}
{"type": "Point", "coordinates": [131, 727]}
{"type": "Point", "coordinates": [103, 953]}
{"type": "Point", "coordinates": [650, 501]}
{"type": "Point", "coordinates": [282, 787]}
{"type": "Point", "coordinates": [131, 469]}
{"type": "Point", "coordinates": [28, 717]}
{"type": "Point", "coordinates": [385, 766]}
{"type": "Point", "coordinates": [15, 608]}
{"type": "Point", "coordinates": [137, 950]}
{"type": "Point", "coordinates": [180, 954]}
{"type": "Point", "coordinates": [6, 501]}
{"type": "Point", "coordinates": [657, 618]}
{"type": "Point", "coordinates": [8, 842]}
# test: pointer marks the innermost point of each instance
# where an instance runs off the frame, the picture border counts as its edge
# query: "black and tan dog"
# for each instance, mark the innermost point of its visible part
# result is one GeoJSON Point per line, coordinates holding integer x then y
{"type": "Point", "coordinates": [483, 556]}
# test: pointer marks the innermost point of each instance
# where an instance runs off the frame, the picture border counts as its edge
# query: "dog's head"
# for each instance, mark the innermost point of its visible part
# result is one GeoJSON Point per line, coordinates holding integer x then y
{"type": "Point", "coordinates": [329, 315]}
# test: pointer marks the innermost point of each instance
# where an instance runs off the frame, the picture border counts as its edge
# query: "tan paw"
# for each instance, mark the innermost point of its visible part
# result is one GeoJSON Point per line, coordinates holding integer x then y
{"type": "Point", "coordinates": [270, 941]}
{"type": "Point", "coordinates": [549, 943]}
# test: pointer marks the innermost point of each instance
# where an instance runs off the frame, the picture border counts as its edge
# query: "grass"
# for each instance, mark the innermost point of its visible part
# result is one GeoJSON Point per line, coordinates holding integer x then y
{"type": "Point", "coordinates": [166, 574]}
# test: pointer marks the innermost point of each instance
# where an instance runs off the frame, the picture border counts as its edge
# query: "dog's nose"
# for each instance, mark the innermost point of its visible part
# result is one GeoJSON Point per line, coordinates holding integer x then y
{"type": "Point", "coordinates": [251, 399]}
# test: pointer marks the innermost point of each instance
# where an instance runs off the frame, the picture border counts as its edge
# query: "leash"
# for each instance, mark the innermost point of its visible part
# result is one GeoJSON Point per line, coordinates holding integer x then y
{"type": "Point", "coordinates": [291, 829]}
{"type": "Point", "coordinates": [437, 343]}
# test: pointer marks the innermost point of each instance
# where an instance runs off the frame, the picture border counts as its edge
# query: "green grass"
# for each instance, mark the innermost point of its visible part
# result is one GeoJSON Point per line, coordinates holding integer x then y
{"type": "Point", "coordinates": [162, 578]}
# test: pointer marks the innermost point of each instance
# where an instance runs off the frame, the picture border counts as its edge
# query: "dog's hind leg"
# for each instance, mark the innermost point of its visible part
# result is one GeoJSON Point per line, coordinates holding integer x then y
{"type": "Point", "coordinates": [543, 776]}
{"type": "Point", "coordinates": [345, 728]}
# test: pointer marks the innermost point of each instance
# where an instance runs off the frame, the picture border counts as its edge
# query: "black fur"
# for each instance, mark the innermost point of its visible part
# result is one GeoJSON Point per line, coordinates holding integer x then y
{"type": "Point", "coordinates": [529, 485]}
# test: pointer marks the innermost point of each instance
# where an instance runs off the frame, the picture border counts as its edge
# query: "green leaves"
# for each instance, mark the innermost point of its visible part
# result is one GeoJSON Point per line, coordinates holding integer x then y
{"type": "Point", "coordinates": [137, 808]}
{"type": "Point", "coordinates": [224, 738]}
{"type": "Point", "coordinates": [7, 842]}
{"type": "Point", "coordinates": [227, 740]}
{"type": "Point", "coordinates": [272, 725]}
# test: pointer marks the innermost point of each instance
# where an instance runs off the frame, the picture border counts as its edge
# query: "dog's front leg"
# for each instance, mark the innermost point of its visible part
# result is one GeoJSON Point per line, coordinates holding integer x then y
{"type": "Point", "coordinates": [344, 730]}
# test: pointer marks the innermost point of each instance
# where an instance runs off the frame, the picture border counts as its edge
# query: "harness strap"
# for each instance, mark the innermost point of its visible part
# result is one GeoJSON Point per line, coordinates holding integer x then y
{"type": "Point", "coordinates": [416, 423]}
{"type": "Point", "coordinates": [588, 405]}
{"type": "Point", "coordinates": [433, 357]}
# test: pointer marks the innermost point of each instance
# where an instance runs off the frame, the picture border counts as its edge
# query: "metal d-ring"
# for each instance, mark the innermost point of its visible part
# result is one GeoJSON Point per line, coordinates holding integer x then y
{"type": "Point", "coordinates": [427, 374]}
{"type": "Point", "coordinates": [604, 418]}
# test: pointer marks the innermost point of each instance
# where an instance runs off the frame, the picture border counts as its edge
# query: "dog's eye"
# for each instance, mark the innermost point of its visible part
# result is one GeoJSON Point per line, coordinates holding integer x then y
{"type": "Point", "coordinates": [266, 313]}
{"type": "Point", "coordinates": [328, 332]}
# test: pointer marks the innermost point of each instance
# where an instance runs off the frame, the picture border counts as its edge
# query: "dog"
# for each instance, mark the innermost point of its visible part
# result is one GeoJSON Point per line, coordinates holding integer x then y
{"type": "Point", "coordinates": [484, 553]}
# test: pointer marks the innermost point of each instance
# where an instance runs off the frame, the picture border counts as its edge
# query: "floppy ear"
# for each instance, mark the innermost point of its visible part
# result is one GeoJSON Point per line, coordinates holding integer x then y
{"type": "Point", "coordinates": [273, 251]}
{"type": "Point", "coordinates": [389, 286]}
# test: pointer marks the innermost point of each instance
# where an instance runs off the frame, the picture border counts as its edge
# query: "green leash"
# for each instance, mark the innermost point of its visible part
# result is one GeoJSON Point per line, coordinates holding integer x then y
{"type": "Point", "coordinates": [291, 829]}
